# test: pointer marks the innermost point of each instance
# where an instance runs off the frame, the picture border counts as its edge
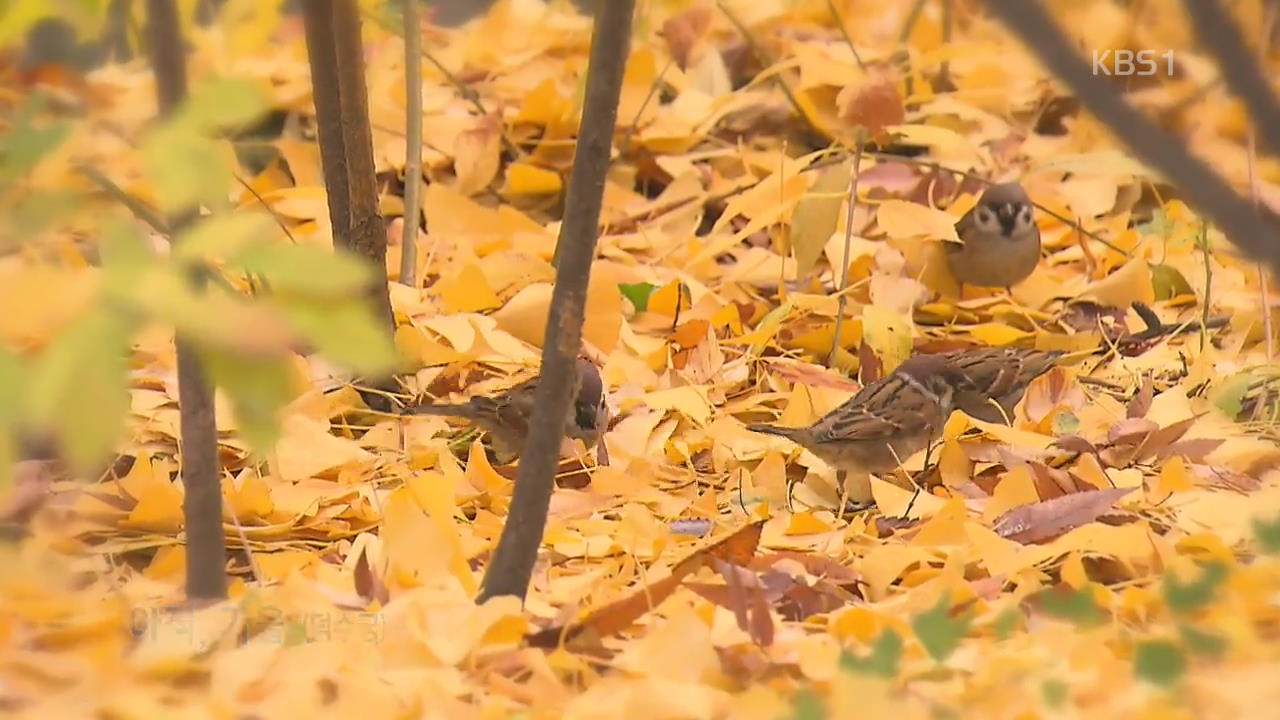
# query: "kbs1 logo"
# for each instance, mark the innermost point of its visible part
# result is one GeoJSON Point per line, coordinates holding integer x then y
{"type": "Point", "coordinates": [1125, 63]}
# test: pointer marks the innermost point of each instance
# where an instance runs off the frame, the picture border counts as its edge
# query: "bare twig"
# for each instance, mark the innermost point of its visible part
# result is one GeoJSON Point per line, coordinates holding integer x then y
{"type": "Point", "coordinates": [413, 142]}
{"type": "Point", "coordinates": [944, 71]}
{"type": "Point", "coordinates": [764, 58]}
{"type": "Point", "coordinates": [1150, 144]}
{"type": "Point", "coordinates": [266, 206]}
{"type": "Point", "coordinates": [848, 240]}
{"type": "Point", "coordinates": [653, 92]}
{"type": "Point", "coordinates": [139, 209]}
{"type": "Point", "coordinates": [1243, 75]}
{"type": "Point", "coordinates": [1268, 330]}
{"type": "Point", "coordinates": [844, 32]}
{"type": "Point", "coordinates": [513, 559]}
{"type": "Point", "coordinates": [1208, 283]}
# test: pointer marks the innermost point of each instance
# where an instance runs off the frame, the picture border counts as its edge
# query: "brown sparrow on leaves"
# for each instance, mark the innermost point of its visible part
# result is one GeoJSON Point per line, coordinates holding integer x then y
{"type": "Point", "coordinates": [999, 241]}
{"type": "Point", "coordinates": [885, 422]}
{"type": "Point", "coordinates": [994, 376]}
{"type": "Point", "coordinates": [506, 416]}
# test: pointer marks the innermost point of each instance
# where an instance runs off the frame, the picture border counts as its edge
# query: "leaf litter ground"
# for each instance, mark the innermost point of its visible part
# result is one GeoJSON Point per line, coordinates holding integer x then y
{"type": "Point", "coordinates": [1111, 551]}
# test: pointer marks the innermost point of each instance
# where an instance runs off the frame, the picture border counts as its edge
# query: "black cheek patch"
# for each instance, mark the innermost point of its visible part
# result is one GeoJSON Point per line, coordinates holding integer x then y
{"type": "Point", "coordinates": [585, 418]}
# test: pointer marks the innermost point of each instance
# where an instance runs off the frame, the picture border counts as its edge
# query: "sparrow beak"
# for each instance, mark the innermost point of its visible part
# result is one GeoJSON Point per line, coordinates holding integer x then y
{"type": "Point", "coordinates": [1007, 215]}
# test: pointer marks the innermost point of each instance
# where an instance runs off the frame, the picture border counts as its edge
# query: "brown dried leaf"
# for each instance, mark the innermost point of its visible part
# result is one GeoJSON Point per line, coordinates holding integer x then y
{"type": "Point", "coordinates": [736, 549]}
{"type": "Point", "coordinates": [873, 103]}
{"type": "Point", "coordinates": [1049, 518]}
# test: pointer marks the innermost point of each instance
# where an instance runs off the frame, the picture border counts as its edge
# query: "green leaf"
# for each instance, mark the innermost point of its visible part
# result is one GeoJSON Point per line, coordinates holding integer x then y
{"type": "Point", "coordinates": [29, 141]}
{"type": "Point", "coordinates": [308, 270]}
{"type": "Point", "coordinates": [1168, 282]}
{"type": "Point", "coordinates": [638, 294]}
{"type": "Point", "coordinates": [36, 213]}
{"type": "Point", "coordinates": [223, 102]}
{"type": "Point", "coordinates": [1184, 598]}
{"type": "Point", "coordinates": [1160, 224]}
{"type": "Point", "coordinates": [1055, 693]}
{"type": "Point", "coordinates": [1159, 662]}
{"type": "Point", "coordinates": [185, 168]}
{"type": "Point", "coordinates": [346, 333]}
{"type": "Point", "coordinates": [79, 386]}
{"type": "Point", "coordinates": [126, 259]}
{"type": "Point", "coordinates": [1071, 604]}
{"type": "Point", "coordinates": [13, 383]}
{"type": "Point", "coordinates": [1268, 534]}
{"type": "Point", "coordinates": [223, 236]}
{"type": "Point", "coordinates": [807, 705]}
{"type": "Point", "coordinates": [938, 632]}
{"type": "Point", "coordinates": [816, 214]}
{"type": "Point", "coordinates": [883, 660]}
{"type": "Point", "coordinates": [258, 389]}
{"type": "Point", "coordinates": [1007, 623]}
{"type": "Point", "coordinates": [1211, 645]}
{"type": "Point", "coordinates": [1228, 395]}
{"type": "Point", "coordinates": [17, 17]}
{"type": "Point", "coordinates": [1065, 423]}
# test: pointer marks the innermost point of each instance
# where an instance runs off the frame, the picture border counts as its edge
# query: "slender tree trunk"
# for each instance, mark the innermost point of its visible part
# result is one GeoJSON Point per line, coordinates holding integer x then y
{"type": "Point", "coordinates": [336, 56]}
{"type": "Point", "coordinates": [202, 501]}
{"type": "Point", "coordinates": [517, 552]}
{"type": "Point", "coordinates": [413, 142]}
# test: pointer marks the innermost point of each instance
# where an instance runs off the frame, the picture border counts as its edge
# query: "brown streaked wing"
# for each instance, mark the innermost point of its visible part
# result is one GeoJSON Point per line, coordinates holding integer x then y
{"type": "Point", "coordinates": [875, 412]}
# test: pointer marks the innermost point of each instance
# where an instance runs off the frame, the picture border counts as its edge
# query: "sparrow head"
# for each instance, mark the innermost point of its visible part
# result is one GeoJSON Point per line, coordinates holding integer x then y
{"type": "Point", "coordinates": [591, 410]}
{"type": "Point", "coordinates": [934, 376]}
{"type": "Point", "coordinates": [1004, 210]}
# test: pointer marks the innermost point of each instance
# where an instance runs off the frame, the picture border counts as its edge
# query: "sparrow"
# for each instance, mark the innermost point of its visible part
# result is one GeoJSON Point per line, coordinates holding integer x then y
{"type": "Point", "coordinates": [999, 241]}
{"type": "Point", "coordinates": [885, 422]}
{"type": "Point", "coordinates": [506, 416]}
{"type": "Point", "coordinates": [996, 376]}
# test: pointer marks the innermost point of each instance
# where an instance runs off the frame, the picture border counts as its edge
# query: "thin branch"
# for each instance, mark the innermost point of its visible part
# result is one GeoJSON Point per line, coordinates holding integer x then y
{"type": "Point", "coordinates": [267, 206]}
{"type": "Point", "coordinates": [1157, 148]}
{"type": "Point", "coordinates": [653, 92]}
{"type": "Point", "coordinates": [139, 209]}
{"type": "Point", "coordinates": [413, 143]}
{"type": "Point", "coordinates": [844, 32]}
{"type": "Point", "coordinates": [1208, 283]}
{"type": "Point", "coordinates": [944, 72]}
{"type": "Point", "coordinates": [764, 58]}
{"type": "Point", "coordinates": [1243, 75]}
{"type": "Point", "coordinates": [848, 240]}
{"type": "Point", "coordinates": [511, 567]}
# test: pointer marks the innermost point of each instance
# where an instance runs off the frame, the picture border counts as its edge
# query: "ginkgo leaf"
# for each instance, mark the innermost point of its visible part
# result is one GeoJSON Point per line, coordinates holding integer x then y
{"type": "Point", "coordinates": [901, 219]}
{"type": "Point", "coordinates": [258, 389]}
{"type": "Point", "coordinates": [222, 236]}
{"type": "Point", "coordinates": [348, 333]}
{"type": "Point", "coordinates": [815, 216]}
{"type": "Point", "coordinates": [84, 402]}
{"type": "Point", "coordinates": [306, 270]}
{"type": "Point", "coordinates": [171, 152]}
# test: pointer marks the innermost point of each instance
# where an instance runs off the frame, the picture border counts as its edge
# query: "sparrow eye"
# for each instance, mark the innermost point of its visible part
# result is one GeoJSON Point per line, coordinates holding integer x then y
{"type": "Point", "coordinates": [984, 216]}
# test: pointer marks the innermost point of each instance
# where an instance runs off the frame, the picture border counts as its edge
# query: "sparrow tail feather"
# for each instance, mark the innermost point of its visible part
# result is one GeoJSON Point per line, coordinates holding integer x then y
{"type": "Point", "coordinates": [462, 410]}
{"type": "Point", "coordinates": [786, 432]}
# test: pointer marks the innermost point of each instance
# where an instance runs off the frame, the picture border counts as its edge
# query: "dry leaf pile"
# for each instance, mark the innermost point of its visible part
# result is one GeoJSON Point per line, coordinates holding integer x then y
{"type": "Point", "coordinates": [1112, 551]}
